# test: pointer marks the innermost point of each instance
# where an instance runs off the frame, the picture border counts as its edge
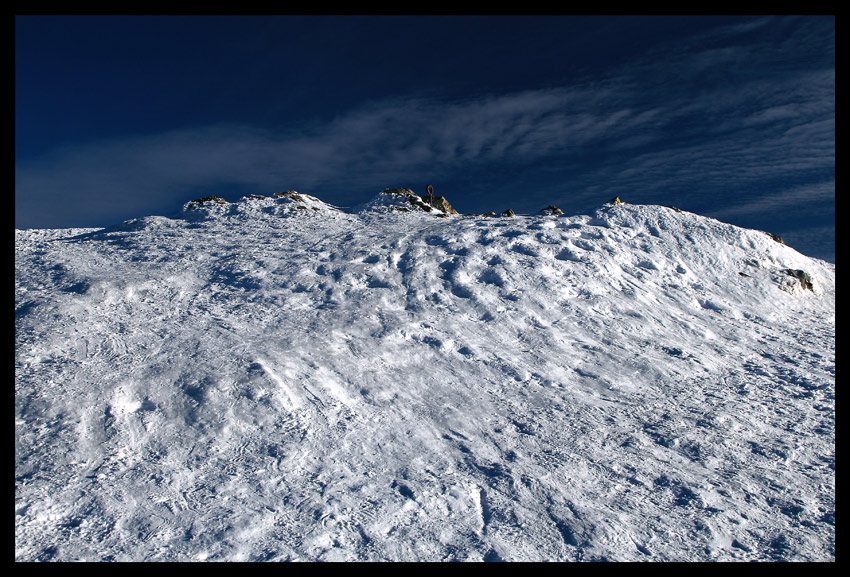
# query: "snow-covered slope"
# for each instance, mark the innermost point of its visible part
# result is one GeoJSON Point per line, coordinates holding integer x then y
{"type": "Point", "coordinates": [277, 379]}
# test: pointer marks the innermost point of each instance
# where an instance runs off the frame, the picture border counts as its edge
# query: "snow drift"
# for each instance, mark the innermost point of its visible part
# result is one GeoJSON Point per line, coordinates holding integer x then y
{"type": "Point", "coordinates": [279, 379]}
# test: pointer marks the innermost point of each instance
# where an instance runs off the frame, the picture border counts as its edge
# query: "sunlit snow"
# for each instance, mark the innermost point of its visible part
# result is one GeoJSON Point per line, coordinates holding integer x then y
{"type": "Point", "coordinates": [278, 379]}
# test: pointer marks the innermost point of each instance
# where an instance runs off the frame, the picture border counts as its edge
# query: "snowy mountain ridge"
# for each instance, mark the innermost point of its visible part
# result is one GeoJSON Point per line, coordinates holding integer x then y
{"type": "Point", "coordinates": [281, 379]}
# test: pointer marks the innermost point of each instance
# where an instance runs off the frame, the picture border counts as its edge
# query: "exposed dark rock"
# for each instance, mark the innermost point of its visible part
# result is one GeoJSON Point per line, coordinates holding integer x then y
{"type": "Point", "coordinates": [616, 200]}
{"type": "Point", "coordinates": [399, 191]}
{"type": "Point", "coordinates": [411, 197]}
{"type": "Point", "coordinates": [289, 194]}
{"type": "Point", "coordinates": [509, 212]}
{"type": "Point", "coordinates": [420, 204]}
{"type": "Point", "coordinates": [775, 237]}
{"type": "Point", "coordinates": [213, 198]}
{"type": "Point", "coordinates": [804, 278]}
{"type": "Point", "coordinates": [675, 208]}
{"type": "Point", "coordinates": [437, 202]}
{"type": "Point", "coordinates": [491, 213]}
{"type": "Point", "coordinates": [297, 196]}
{"type": "Point", "coordinates": [440, 203]}
{"type": "Point", "coordinates": [552, 210]}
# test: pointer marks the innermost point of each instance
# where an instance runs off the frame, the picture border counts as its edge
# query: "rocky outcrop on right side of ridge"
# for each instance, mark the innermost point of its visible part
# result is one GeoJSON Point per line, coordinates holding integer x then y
{"type": "Point", "coordinates": [754, 257]}
{"type": "Point", "coordinates": [806, 282]}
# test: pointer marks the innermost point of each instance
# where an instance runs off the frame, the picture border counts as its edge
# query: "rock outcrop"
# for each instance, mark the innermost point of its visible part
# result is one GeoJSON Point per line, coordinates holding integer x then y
{"type": "Point", "coordinates": [212, 198]}
{"type": "Point", "coordinates": [405, 200]}
{"type": "Point", "coordinates": [282, 204]}
{"type": "Point", "coordinates": [775, 237]}
{"type": "Point", "coordinates": [551, 210]}
{"type": "Point", "coordinates": [801, 275]}
{"type": "Point", "coordinates": [296, 196]}
{"type": "Point", "coordinates": [440, 203]}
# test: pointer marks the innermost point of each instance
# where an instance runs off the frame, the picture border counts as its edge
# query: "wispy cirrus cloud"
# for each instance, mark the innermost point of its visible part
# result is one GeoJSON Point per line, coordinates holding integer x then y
{"type": "Point", "coordinates": [798, 200]}
{"type": "Point", "coordinates": [688, 117]}
{"type": "Point", "coordinates": [379, 142]}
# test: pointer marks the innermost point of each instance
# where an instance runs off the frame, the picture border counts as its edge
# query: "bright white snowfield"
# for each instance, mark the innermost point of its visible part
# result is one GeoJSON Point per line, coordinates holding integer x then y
{"type": "Point", "coordinates": [277, 379]}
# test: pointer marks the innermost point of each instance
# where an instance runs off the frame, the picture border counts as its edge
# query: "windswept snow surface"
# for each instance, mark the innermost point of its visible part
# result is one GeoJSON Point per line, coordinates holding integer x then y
{"type": "Point", "coordinates": [258, 381]}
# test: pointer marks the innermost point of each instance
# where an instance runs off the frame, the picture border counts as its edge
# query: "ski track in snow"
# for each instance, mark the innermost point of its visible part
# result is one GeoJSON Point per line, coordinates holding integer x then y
{"type": "Point", "coordinates": [263, 382]}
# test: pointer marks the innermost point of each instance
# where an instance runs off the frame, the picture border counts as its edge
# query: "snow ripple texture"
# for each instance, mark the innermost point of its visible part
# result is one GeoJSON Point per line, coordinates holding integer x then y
{"type": "Point", "coordinates": [271, 380]}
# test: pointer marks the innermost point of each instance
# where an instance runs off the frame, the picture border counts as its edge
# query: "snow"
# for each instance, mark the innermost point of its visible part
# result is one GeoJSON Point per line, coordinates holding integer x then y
{"type": "Point", "coordinates": [258, 381]}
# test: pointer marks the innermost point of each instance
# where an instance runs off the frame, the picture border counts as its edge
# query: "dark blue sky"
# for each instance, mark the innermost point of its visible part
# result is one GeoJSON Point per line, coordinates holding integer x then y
{"type": "Point", "coordinates": [731, 117]}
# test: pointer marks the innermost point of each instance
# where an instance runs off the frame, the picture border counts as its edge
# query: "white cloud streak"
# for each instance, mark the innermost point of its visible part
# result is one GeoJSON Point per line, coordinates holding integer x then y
{"type": "Point", "coordinates": [796, 200]}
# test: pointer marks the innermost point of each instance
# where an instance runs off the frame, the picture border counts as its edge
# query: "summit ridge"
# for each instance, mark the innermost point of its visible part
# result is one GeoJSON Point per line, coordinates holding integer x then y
{"type": "Point", "coordinates": [280, 379]}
